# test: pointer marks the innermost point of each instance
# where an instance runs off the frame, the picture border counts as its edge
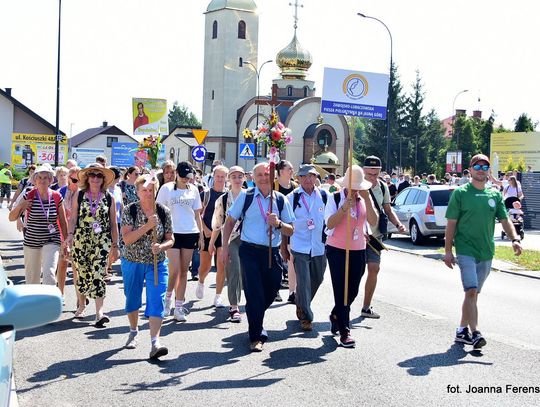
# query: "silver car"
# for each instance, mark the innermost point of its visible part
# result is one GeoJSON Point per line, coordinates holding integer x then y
{"type": "Point", "coordinates": [422, 210]}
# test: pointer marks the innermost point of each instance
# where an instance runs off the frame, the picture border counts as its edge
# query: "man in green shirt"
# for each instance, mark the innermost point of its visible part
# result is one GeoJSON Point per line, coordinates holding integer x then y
{"type": "Point", "coordinates": [471, 215]}
{"type": "Point", "coordinates": [5, 184]}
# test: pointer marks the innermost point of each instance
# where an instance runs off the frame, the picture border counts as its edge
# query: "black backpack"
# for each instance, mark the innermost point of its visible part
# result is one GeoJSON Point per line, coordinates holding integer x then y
{"type": "Point", "coordinates": [250, 193]}
{"type": "Point", "coordinates": [296, 204]}
{"type": "Point", "coordinates": [80, 196]}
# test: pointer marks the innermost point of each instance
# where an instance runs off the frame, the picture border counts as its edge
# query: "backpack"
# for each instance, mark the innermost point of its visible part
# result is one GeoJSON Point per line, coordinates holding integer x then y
{"type": "Point", "coordinates": [80, 196]}
{"type": "Point", "coordinates": [296, 204]}
{"type": "Point", "coordinates": [250, 193]}
{"type": "Point", "coordinates": [32, 194]}
{"type": "Point", "coordinates": [159, 209]}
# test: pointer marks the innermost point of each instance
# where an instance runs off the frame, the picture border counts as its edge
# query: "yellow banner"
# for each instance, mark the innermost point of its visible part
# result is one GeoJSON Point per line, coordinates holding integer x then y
{"type": "Point", "coordinates": [150, 117]}
{"type": "Point", "coordinates": [27, 149]}
{"type": "Point", "coordinates": [517, 146]}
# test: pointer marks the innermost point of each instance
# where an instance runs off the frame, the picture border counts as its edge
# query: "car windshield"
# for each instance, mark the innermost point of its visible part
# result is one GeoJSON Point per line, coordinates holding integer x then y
{"type": "Point", "coordinates": [441, 198]}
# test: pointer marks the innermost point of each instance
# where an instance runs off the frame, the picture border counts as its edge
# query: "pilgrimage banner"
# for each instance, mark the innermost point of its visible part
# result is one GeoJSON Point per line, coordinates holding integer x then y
{"type": "Point", "coordinates": [85, 156]}
{"type": "Point", "coordinates": [355, 93]}
{"type": "Point", "coordinates": [27, 149]}
{"type": "Point", "coordinates": [517, 146]}
{"type": "Point", "coordinates": [150, 117]}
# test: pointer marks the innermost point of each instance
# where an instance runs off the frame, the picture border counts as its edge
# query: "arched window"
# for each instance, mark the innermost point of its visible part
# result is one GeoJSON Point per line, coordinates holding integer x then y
{"type": "Point", "coordinates": [306, 89]}
{"type": "Point", "coordinates": [289, 90]}
{"type": "Point", "coordinates": [242, 30]}
{"type": "Point", "coordinates": [212, 95]}
{"type": "Point", "coordinates": [171, 153]}
{"type": "Point", "coordinates": [240, 62]}
{"type": "Point", "coordinates": [214, 30]}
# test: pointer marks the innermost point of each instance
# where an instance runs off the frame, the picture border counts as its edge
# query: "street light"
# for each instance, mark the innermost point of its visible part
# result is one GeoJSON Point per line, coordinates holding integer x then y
{"type": "Point", "coordinates": [258, 72]}
{"type": "Point", "coordinates": [388, 137]}
{"type": "Point", "coordinates": [57, 135]}
{"type": "Point", "coordinates": [454, 116]}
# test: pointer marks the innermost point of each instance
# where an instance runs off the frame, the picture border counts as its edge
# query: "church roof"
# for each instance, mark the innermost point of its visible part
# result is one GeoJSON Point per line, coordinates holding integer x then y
{"type": "Point", "coordinates": [327, 157]}
{"type": "Point", "coordinates": [247, 5]}
{"type": "Point", "coordinates": [294, 60]}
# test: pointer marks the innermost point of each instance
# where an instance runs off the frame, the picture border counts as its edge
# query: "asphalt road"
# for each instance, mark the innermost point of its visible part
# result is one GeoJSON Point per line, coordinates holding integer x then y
{"type": "Point", "coordinates": [408, 357]}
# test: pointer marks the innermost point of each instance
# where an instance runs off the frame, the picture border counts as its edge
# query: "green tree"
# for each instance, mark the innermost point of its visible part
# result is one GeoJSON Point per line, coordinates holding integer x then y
{"type": "Point", "coordinates": [484, 130]}
{"type": "Point", "coordinates": [524, 124]}
{"type": "Point", "coordinates": [414, 126]}
{"type": "Point", "coordinates": [180, 116]}
{"type": "Point", "coordinates": [432, 144]}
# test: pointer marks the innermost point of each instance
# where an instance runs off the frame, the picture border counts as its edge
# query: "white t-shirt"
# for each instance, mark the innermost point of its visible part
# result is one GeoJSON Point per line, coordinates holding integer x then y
{"type": "Point", "coordinates": [183, 203]}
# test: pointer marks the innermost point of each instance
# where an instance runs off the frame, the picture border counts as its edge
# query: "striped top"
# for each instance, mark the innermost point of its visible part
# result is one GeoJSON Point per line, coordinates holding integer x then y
{"type": "Point", "coordinates": [37, 232]}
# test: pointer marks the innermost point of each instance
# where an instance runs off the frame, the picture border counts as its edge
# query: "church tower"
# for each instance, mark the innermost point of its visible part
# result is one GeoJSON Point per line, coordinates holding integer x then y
{"type": "Point", "coordinates": [231, 38]}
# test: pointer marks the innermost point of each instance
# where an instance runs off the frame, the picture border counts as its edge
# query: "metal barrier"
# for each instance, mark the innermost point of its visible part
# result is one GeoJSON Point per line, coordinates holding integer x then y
{"type": "Point", "coordinates": [530, 182]}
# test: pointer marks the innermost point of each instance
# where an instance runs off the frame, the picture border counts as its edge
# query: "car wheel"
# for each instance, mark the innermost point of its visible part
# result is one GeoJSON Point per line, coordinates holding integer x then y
{"type": "Point", "coordinates": [416, 236]}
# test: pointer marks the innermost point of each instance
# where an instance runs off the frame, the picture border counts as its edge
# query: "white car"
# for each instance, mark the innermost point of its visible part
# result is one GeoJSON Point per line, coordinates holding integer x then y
{"type": "Point", "coordinates": [422, 210]}
{"type": "Point", "coordinates": [21, 307]}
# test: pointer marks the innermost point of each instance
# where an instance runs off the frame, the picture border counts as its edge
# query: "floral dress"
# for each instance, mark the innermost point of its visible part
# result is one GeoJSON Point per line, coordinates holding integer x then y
{"type": "Point", "coordinates": [91, 249]}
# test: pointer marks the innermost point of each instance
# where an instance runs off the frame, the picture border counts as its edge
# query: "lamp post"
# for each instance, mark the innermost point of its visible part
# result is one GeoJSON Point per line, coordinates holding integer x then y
{"type": "Point", "coordinates": [388, 136]}
{"type": "Point", "coordinates": [57, 127]}
{"type": "Point", "coordinates": [454, 116]}
{"type": "Point", "coordinates": [257, 72]}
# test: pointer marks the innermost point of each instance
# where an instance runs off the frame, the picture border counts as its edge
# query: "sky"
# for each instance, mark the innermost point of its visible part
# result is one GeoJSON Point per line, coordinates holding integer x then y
{"type": "Point", "coordinates": [113, 50]}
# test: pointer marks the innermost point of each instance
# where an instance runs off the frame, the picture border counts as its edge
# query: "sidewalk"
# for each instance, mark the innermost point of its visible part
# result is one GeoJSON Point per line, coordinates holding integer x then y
{"type": "Point", "coordinates": [431, 249]}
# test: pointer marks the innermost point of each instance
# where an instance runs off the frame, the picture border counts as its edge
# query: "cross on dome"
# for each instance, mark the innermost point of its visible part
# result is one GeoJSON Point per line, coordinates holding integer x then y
{"type": "Point", "coordinates": [296, 5]}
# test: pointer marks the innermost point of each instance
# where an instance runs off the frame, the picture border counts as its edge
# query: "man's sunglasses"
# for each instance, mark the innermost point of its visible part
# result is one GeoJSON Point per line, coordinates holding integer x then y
{"type": "Point", "coordinates": [74, 180]}
{"type": "Point", "coordinates": [478, 167]}
{"type": "Point", "coordinates": [95, 175]}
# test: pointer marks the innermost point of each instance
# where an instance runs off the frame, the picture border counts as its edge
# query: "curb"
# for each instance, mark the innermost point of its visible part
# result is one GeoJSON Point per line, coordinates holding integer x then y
{"type": "Point", "coordinates": [438, 256]}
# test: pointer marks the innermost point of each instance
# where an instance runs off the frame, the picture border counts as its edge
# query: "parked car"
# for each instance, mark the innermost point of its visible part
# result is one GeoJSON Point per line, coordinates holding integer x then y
{"type": "Point", "coordinates": [21, 307]}
{"type": "Point", "coordinates": [422, 210]}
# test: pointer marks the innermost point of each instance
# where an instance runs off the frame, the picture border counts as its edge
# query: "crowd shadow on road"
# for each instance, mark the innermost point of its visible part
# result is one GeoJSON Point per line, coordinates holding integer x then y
{"type": "Point", "coordinates": [422, 365]}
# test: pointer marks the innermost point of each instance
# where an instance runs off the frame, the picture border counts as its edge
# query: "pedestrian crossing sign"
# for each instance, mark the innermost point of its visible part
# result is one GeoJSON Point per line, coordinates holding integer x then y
{"type": "Point", "coordinates": [247, 151]}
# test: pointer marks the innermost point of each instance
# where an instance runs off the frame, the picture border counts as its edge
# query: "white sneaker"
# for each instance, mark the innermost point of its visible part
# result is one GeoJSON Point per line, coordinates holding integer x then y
{"type": "Point", "coordinates": [199, 292]}
{"type": "Point", "coordinates": [218, 301]}
{"type": "Point", "coordinates": [180, 314]}
{"type": "Point", "coordinates": [169, 301]}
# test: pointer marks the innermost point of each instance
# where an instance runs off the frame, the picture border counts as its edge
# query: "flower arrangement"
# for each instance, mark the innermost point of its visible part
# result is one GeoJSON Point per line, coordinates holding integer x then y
{"type": "Point", "coordinates": [273, 133]}
{"type": "Point", "coordinates": [148, 150]}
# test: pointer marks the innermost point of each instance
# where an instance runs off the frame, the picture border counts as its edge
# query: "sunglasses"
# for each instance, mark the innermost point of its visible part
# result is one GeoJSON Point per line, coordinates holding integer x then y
{"type": "Point", "coordinates": [478, 167]}
{"type": "Point", "coordinates": [95, 175]}
{"type": "Point", "coordinates": [74, 180]}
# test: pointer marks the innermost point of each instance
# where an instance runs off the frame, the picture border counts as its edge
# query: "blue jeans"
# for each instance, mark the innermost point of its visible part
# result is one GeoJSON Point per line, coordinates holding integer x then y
{"type": "Point", "coordinates": [261, 284]}
{"type": "Point", "coordinates": [473, 272]}
{"type": "Point", "coordinates": [195, 262]}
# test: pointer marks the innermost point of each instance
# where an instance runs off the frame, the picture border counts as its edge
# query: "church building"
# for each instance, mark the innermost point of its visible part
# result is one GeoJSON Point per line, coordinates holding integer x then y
{"type": "Point", "coordinates": [232, 101]}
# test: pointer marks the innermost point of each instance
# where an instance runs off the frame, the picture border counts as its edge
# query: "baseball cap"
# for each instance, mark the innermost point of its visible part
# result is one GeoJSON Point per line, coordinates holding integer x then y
{"type": "Point", "coordinates": [236, 168]}
{"type": "Point", "coordinates": [479, 157]}
{"type": "Point", "coordinates": [306, 169]}
{"type": "Point", "coordinates": [184, 170]}
{"type": "Point", "coordinates": [372, 162]}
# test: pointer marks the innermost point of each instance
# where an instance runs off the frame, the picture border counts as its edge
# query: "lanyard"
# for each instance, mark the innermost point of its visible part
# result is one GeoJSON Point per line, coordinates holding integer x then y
{"type": "Point", "coordinates": [261, 208]}
{"type": "Point", "coordinates": [43, 207]}
{"type": "Point", "coordinates": [93, 208]}
{"type": "Point", "coordinates": [308, 208]}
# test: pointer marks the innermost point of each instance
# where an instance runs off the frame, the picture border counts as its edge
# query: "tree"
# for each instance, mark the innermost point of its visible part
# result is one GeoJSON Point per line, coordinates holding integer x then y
{"type": "Point", "coordinates": [414, 127]}
{"type": "Point", "coordinates": [524, 124]}
{"type": "Point", "coordinates": [180, 116]}
{"type": "Point", "coordinates": [432, 144]}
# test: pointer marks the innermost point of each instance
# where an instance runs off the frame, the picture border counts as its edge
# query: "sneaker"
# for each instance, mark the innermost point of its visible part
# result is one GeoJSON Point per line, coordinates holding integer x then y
{"type": "Point", "coordinates": [168, 305]}
{"type": "Point", "coordinates": [306, 325]}
{"type": "Point", "coordinates": [333, 325]}
{"type": "Point", "coordinates": [478, 340]}
{"type": "Point", "coordinates": [292, 298]}
{"type": "Point", "coordinates": [158, 351]}
{"type": "Point", "coordinates": [132, 340]}
{"type": "Point", "coordinates": [199, 292]}
{"type": "Point", "coordinates": [369, 313]}
{"type": "Point", "coordinates": [256, 346]}
{"type": "Point", "coordinates": [278, 297]}
{"type": "Point", "coordinates": [218, 301]}
{"type": "Point", "coordinates": [101, 321]}
{"type": "Point", "coordinates": [464, 337]}
{"type": "Point", "coordinates": [235, 315]}
{"type": "Point", "coordinates": [347, 341]}
{"type": "Point", "coordinates": [180, 314]}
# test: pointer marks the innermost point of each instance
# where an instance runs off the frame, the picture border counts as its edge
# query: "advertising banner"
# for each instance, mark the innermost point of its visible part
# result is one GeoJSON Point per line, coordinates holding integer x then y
{"type": "Point", "coordinates": [85, 156]}
{"type": "Point", "coordinates": [352, 93]}
{"type": "Point", "coordinates": [27, 149]}
{"type": "Point", "coordinates": [518, 146]}
{"type": "Point", "coordinates": [123, 154]}
{"type": "Point", "coordinates": [150, 116]}
{"type": "Point", "coordinates": [453, 161]}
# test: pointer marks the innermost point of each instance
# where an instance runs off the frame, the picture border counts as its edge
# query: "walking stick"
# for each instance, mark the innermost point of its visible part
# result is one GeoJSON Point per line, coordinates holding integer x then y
{"type": "Point", "coordinates": [348, 238]}
{"type": "Point", "coordinates": [272, 175]}
{"type": "Point", "coordinates": [154, 236]}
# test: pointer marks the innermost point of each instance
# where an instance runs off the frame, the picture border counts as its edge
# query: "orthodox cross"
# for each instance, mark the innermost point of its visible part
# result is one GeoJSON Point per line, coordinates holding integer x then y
{"type": "Point", "coordinates": [296, 5]}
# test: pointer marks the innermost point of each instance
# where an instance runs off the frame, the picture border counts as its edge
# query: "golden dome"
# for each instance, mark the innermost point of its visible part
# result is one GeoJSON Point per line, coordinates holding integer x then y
{"type": "Point", "coordinates": [294, 60]}
{"type": "Point", "coordinates": [327, 157]}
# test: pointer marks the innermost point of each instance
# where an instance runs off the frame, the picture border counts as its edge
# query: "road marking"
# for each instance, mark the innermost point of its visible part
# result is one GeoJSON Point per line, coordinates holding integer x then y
{"type": "Point", "coordinates": [421, 313]}
{"type": "Point", "coordinates": [516, 343]}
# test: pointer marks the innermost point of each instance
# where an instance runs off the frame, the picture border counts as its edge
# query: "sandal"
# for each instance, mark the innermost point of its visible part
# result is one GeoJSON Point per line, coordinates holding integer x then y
{"type": "Point", "coordinates": [100, 323]}
{"type": "Point", "coordinates": [80, 313]}
{"type": "Point", "coordinates": [235, 316]}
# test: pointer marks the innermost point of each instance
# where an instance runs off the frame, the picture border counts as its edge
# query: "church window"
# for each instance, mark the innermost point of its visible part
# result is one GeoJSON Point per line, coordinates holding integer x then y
{"type": "Point", "coordinates": [306, 89]}
{"type": "Point", "coordinates": [240, 62]}
{"type": "Point", "coordinates": [214, 30]}
{"type": "Point", "coordinates": [212, 94]}
{"type": "Point", "coordinates": [324, 138]}
{"type": "Point", "coordinates": [242, 30]}
{"type": "Point", "coordinates": [289, 90]}
{"type": "Point", "coordinates": [171, 154]}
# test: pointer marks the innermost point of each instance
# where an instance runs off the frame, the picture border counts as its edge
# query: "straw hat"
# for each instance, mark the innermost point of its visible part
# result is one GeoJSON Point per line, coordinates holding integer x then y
{"type": "Point", "coordinates": [358, 181]}
{"type": "Point", "coordinates": [42, 168]}
{"type": "Point", "coordinates": [108, 175]}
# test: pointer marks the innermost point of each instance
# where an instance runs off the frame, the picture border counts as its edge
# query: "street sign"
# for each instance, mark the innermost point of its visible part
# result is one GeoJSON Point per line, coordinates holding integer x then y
{"type": "Point", "coordinates": [199, 153]}
{"type": "Point", "coordinates": [199, 135]}
{"type": "Point", "coordinates": [247, 151]}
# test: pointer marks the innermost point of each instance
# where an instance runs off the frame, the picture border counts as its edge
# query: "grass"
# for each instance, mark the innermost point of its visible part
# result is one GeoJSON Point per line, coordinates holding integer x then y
{"type": "Point", "coordinates": [529, 259]}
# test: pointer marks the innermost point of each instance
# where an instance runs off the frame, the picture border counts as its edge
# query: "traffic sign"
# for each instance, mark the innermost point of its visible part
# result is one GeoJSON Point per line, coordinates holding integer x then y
{"type": "Point", "coordinates": [199, 153]}
{"type": "Point", "coordinates": [247, 151]}
{"type": "Point", "coordinates": [199, 135]}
